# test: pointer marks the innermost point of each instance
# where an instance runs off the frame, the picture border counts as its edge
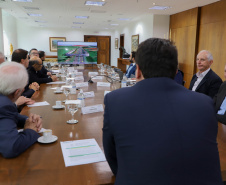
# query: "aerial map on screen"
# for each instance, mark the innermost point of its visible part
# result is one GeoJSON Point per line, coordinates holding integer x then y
{"type": "Point", "coordinates": [77, 52]}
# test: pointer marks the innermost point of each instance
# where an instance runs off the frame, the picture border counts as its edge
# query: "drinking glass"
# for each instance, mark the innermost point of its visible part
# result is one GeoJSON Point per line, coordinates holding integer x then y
{"type": "Point", "coordinates": [66, 92]}
{"type": "Point", "coordinates": [72, 108]}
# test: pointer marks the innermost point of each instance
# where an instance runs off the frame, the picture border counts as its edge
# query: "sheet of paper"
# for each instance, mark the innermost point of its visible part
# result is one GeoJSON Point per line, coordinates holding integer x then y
{"type": "Point", "coordinates": [89, 94]}
{"type": "Point", "coordinates": [79, 78]}
{"type": "Point", "coordinates": [37, 104]}
{"type": "Point", "coordinates": [65, 86]}
{"type": "Point", "coordinates": [93, 73]}
{"type": "Point", "coordinates": [83, 84]}
{"type": "Point", "coordinates": [55, 71]}
{"type": "Point", "coordinates": [92, 109]}
{"type": "Point", "coordinates": [57, 82]}
{"type": "Point", "coordinates": [81, 152]}
{"type": "Point", "coordinates": [73, 102]}
{"type": "Point", "coordinates": [105, 92]}
{"type": "Point", "coordinates": [103, 84]}
{"type": "Point", "coordinates": [97, 78]}
{"type": "Point", "coordinates": [79, 73]}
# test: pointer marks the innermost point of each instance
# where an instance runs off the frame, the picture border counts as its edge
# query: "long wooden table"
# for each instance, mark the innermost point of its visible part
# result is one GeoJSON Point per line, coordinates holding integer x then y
{"type": "Point", "coordinates": [44, 163]}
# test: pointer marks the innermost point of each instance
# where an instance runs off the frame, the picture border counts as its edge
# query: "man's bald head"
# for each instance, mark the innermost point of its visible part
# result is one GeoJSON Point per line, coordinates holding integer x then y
{"type": "Point", "coordinates": [36, 63]}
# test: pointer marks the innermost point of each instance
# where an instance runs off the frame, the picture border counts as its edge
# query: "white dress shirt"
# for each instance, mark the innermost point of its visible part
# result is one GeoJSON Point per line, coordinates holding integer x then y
{"type": "Point", "coordinates": [200, 76]}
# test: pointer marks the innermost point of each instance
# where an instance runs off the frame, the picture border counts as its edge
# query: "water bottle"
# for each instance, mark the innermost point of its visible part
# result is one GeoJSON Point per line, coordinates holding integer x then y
{"type": "Point", "coordinates": [73, 89]}
{"type": "Point", "coordinates": [82, 98]}
{"type": "Point", "coordinates": [124, 81]}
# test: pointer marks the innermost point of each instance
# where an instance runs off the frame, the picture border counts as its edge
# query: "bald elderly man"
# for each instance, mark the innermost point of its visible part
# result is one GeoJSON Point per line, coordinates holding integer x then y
{"type": "Point", "coordinates": [35, 65]}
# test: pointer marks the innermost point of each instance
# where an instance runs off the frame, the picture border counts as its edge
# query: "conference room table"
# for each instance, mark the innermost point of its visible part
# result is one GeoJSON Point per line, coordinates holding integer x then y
{"type": "Point", "coordinates": [44, 163]}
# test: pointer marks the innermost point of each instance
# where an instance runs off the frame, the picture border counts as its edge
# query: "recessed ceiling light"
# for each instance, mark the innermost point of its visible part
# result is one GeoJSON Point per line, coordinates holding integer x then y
{"type": "Point", "coordinates": [22, 0]}
{"type": "Point", "coordinates": [114, 24]}
{"type": "Point", "coordinates": [124, 19]}
{"type": "Point", "coordinates": [94, 3]}
{"type": "Point", "coordinates": [41, 21]}
{"type": "Point", "coordinates": [31, 8]}
{"type": "Point", "coordinates": [82, 17]}
{"type": "Point", "coordinates": [76, 26]}
{"type": "Point", "coordinates": [78, 22]}
{"type": "Point", "coordinates": [159, 7]}
{"type": "Point", "coordinates": [34, 14]}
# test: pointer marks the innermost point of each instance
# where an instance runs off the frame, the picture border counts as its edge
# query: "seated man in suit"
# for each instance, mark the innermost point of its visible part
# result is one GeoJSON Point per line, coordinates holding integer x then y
{"type": "Point", "coordinates": [171, 139]}
{"type": "Point", "coordinates": [42, 56]}
{"type": "Point", "coordinates": [14, 77]}
{"type": "Point", "coordinates": [34, 72]}
{"type": "Point", "coordinates": [220, 101]}
{"type": "Point", "coordinates": [132, 67]}
{"type": "Point", "coordinates": [21, 56]}
{"type": "Point", "coordinates": [205, 81]}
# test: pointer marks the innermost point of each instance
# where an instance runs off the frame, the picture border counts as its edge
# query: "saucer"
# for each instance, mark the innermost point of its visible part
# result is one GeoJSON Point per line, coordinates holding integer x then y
{"type": "Point", "coordinates": [58, 92]}
{"type": "Point", "coordinates": [54, 138]}
{"type": "Point", "coordinates": [70, 122]}
{"type": "Point", "coordinates": [56, 107]}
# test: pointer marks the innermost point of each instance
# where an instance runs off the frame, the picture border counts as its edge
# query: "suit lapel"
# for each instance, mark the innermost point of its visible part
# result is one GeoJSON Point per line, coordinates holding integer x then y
{"type": "Point", "coordinates": [204, 79]}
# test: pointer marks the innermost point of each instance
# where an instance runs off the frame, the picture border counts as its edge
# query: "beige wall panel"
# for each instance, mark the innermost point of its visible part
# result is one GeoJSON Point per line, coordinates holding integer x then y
{"type": "Point", "coordinates": [213, 38]}
{"type": "Point", "coordinates": [183, 19]}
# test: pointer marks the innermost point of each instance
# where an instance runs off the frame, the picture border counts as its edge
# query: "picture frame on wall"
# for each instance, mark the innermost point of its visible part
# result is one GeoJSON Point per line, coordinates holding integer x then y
{"type": "Point", "coordinates": [116, 43]}
{"type": "Point", "coordinates": [134, 42]}
{"type": "Point", "coordinates": [53, 43]}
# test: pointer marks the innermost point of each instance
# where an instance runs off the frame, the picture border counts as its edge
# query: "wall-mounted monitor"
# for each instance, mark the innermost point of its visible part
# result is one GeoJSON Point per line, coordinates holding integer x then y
{"type": "Point", "coordinates": [74, 52]}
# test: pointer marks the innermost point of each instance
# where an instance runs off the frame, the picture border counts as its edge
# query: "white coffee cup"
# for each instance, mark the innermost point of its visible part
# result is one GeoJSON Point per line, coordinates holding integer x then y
{"type": "Point", "coordinates": [58, 89]}
{"type": "Point", "coordinates": [58, 103]}
{"type": "Point", "coordinates": [47, 135]}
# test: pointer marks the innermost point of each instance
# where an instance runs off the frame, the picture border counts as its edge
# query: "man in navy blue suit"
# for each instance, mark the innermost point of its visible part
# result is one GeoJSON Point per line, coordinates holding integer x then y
{"type": "Point", "coordinates": [132, 67]}
{"type": "Point", "coordinates": [157, 132]}
{"type": "Point", "coordinates": [205, 81]}
{"type": "Point", "coordinates": [13, 78]}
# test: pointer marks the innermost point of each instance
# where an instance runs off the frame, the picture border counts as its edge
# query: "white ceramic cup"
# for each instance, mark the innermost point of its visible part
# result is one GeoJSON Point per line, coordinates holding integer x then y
{"type": "Point", "coordinates": [58, 89]}
{"type": "Point", "coordinates": [47, 135]}
{"type": "Point", "coordinates": [58, 103]}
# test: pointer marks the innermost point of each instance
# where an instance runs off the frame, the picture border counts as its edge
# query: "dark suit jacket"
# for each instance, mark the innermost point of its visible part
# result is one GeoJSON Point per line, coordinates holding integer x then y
{"type": "Point", "coordinates": [132, 71]}
{"type": "Point", "coordinates": [209, 85]}
{"type": "Point", "coordinates": [13, 143]}
{"type": "Point", "coordinates": [36, 76]}
{"type": "Point", "coordinates": [218, 100]}
{"type": "Point", "coordinates": [158, 132]}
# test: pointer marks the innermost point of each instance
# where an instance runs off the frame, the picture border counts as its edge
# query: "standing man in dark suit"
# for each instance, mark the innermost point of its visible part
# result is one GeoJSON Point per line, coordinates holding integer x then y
{"type": "Point", "coordinates": [132, 67]}
{"type": "Point", "coordinates": [171, 139]}
{"type": "Point", "coordinates": [205, 81]}
{"type": "Point", "coordinates": [13, 78]}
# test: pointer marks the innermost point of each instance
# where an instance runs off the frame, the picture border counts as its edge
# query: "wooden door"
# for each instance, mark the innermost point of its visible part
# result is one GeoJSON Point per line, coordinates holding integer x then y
{"type": "Point", "coordinates": [103, 44]}
{"type": "Point", "coordinates": [121, 48]}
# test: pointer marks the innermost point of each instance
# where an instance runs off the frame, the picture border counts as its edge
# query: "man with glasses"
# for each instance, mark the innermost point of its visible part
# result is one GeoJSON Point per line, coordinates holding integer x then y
{"type": "Point", "coordinates": [205, 80]}
{"type": "Point", "coordinates": [34, 72]}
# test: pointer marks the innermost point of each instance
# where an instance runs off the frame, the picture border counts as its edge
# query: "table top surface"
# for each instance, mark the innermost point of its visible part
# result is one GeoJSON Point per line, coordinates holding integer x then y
{"type": "Point", "coordinates": [44, 163]}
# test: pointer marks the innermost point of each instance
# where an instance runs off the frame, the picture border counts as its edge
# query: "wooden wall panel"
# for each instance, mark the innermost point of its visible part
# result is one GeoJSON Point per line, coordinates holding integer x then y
{"type": "Point", "coordinates": [184, 19]}
{"type": "Point", "coordinates": [213, 38]}
{"type": "Point", "coordinates": [183, 28]}
{"type": "Point", "coordinates": [213, 13]}
{"type": "Point", "coordinates": [212, 35]}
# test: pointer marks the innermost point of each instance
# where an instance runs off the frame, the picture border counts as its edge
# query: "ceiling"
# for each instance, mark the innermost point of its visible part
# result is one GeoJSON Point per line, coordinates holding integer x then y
{"type": "Point", "coordinates": [61, 13]}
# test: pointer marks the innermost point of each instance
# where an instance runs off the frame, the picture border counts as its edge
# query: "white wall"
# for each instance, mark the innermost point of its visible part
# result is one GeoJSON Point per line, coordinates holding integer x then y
{"type": "Point", "coordinates": [24, 36]}
{"type": "Point", "coordinates": [9, 32]}
{"type": "Point", "coordinates": [146, 26]}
